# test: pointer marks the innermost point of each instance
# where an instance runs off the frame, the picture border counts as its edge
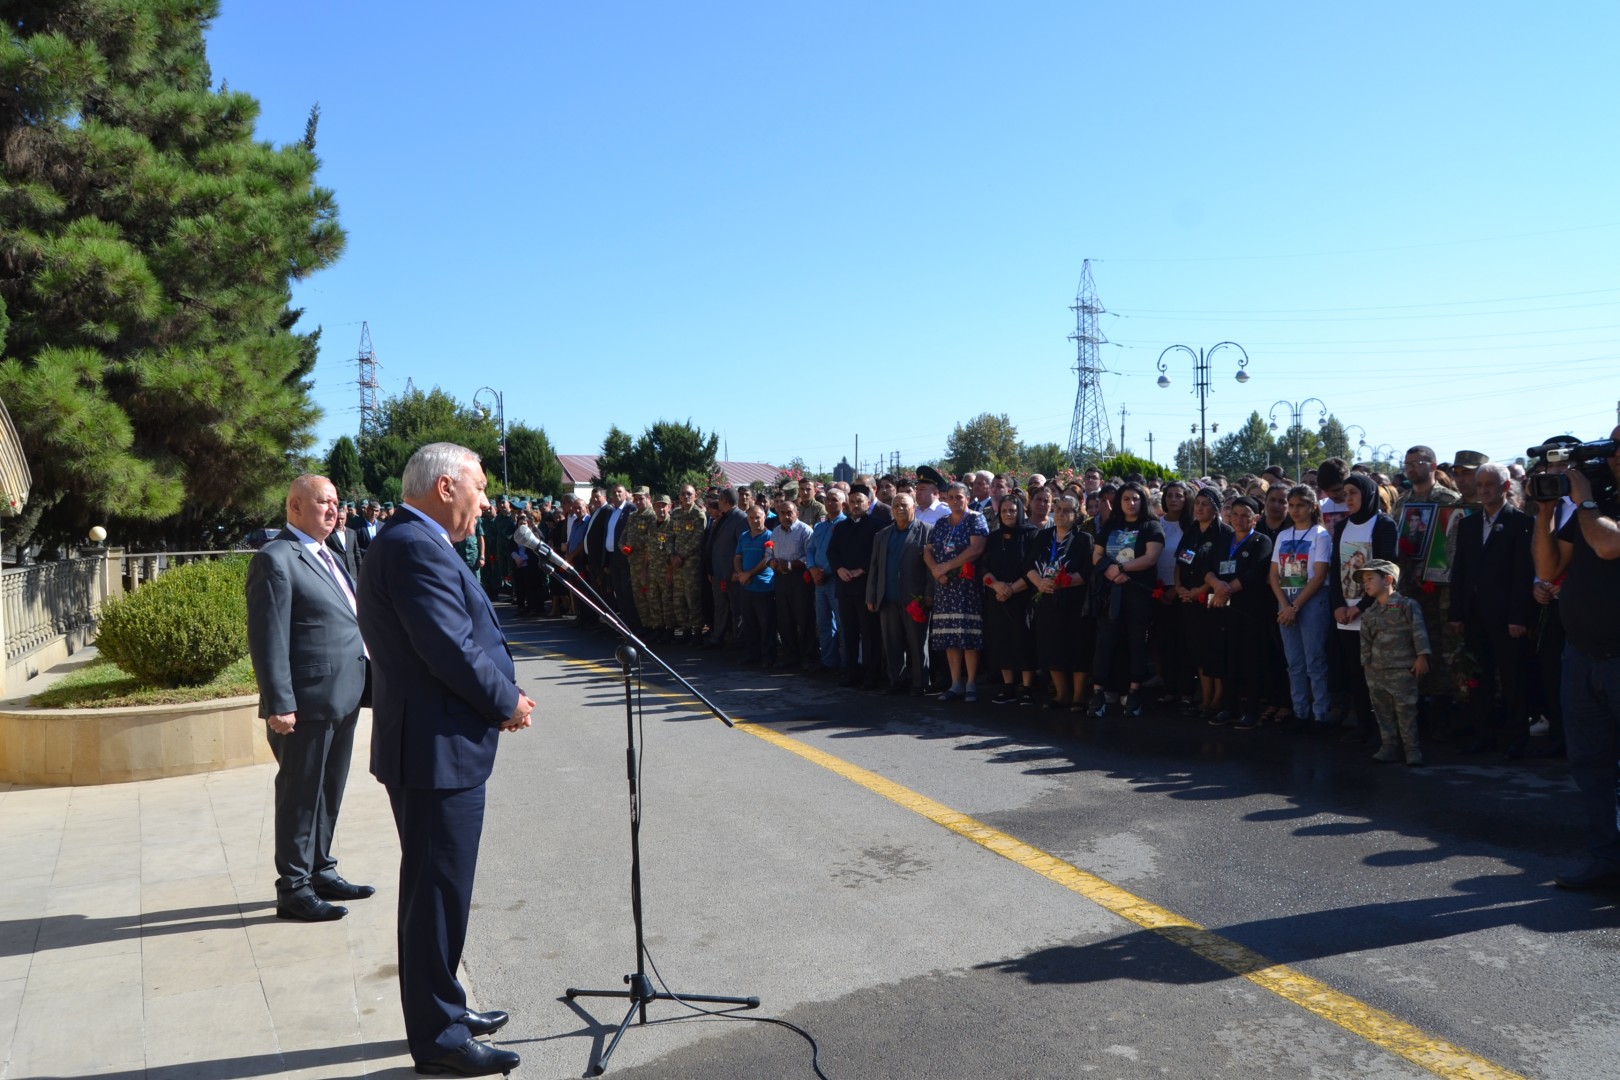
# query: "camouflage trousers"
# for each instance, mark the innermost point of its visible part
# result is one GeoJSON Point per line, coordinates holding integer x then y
{"type": "Point", "coordinates": [1395, 701]}
{"type": "Point", "coordinates": [654, 601]}
{"type": "Point", "coordinates": [686, 609]}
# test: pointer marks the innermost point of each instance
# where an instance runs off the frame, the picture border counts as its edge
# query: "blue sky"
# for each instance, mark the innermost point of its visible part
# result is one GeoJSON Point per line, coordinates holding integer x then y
{"type": "Point", "coordinates": [797, 226]}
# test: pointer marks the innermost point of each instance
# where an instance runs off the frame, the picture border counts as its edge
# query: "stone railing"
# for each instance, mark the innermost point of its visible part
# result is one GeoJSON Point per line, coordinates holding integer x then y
{"type": "Point", "coordinates": [48, 611]}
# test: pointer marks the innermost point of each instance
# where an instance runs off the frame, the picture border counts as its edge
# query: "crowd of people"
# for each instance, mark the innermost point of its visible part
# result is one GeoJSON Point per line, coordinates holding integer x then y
{"type": "Point", "coordinates": [1347, 599]}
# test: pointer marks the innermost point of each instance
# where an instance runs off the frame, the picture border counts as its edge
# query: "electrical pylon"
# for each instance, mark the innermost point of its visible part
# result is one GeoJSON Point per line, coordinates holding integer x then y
{"type": "Point", "coordinates": [1089, 435]}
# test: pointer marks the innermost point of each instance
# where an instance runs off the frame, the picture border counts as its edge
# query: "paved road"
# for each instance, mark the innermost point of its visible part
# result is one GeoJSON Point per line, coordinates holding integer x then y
{"type": "Point", "coordinates": [977, 891]}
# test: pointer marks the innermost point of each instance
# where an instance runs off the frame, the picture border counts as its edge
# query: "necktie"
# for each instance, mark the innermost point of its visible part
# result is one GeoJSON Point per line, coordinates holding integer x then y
{"type": "Point", "coordinates": [342, 578]}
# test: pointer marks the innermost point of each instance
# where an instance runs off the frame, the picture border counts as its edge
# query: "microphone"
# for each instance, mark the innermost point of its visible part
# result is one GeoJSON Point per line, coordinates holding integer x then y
{"type": "Point", "coordinates": [543, 550]}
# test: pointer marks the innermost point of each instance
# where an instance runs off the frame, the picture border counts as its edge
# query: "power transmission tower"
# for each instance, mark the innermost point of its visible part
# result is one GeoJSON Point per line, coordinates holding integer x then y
{"type": "Point", "coordinates": [1089, 435]}
{"type": "Point", "coordinates": [1122, 415]}
{"type": "Point", "coordinates": [367, 381]}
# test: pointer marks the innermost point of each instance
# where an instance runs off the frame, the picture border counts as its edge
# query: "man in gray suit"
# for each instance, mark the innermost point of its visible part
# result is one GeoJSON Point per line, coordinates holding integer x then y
{"type": "Point", "coordinates": [311, 667]}
{"type": "Point", "coordinates": [899, 577]}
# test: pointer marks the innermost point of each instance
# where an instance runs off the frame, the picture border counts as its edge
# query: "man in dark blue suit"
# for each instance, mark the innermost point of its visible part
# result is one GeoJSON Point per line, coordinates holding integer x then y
{"type": "Point", "coordinates": [442, 691]}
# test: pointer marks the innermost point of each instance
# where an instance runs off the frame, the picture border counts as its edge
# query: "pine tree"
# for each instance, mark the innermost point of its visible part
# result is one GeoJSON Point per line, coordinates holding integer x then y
{"type": "Point", "coordinates": [343, 468]}
{"type": "Point", "coordinates": [147, 243]}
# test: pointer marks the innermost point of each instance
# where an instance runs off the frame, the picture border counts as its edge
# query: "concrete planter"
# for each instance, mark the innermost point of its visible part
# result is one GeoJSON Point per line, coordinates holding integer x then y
{"type": "Point", "coordinates": [109, 746]}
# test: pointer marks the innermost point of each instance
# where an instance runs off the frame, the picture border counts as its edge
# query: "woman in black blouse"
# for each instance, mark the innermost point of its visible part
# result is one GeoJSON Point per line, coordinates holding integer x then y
{"type": "Point", "coordinates": [1239, 583]}
{"type": "Point", "coordinates": [1194, 558]}
{"type": "Point", "coordinates": [1008, 638]}
{"type": "Point", "coordinates": [1059, 569]}
{"type": "Point", "coordinates": [1128, 560]}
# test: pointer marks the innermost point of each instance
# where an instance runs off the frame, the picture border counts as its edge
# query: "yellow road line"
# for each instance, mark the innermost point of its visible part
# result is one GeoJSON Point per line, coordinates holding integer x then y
{"type": "Point", "coordinates": [1376, 1026]}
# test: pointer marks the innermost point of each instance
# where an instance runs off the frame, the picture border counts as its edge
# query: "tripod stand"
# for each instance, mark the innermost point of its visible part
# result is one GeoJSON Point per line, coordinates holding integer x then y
{"type": "Point", "coordinates": [629, 655]}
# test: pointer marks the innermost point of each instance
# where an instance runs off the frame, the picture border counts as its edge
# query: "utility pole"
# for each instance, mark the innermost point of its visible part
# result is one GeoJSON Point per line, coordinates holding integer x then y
{"type": "Point", "coordinates": [1122, 415]}
{"type": "Point", "coordinates": [1150, 446]}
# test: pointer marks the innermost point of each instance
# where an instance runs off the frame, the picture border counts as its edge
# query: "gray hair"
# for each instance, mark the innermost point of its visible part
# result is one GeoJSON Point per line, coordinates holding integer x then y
{"type": "Point", "coordinates": [1493, 469]}
{"type": "Point", "coordinates": [958, 486]}
{"type": "Point", "coordinates": [431, 462]}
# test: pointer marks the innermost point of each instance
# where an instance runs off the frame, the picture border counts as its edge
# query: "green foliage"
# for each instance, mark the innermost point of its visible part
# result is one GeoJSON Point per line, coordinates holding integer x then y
{"type": "Point", "coordinates": [343, 468]}
{"type": "Point", "coordinates": [182, 628]}
{"type": "Point", "coordinates": [985, 442]}
{"type": "Point", "coordinates": [1048, 459]}
{"type": "Point", "coordinates": [531, 460]}
{"type": "Point", "coordinates": [410, 421]}
{"type": "Point", "coordinates": [147, 243]}
{"type": "Point", "coordinates": [665, 455]}
{"type": "Point", "coordinates": [1123, 465]}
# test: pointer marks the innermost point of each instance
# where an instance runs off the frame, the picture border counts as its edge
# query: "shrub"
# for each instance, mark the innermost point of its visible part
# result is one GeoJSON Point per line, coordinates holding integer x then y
{"type": "Point", "coordinates": [181, 629]}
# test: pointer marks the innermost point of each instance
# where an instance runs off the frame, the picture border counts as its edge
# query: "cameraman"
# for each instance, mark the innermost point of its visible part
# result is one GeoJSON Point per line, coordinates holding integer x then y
{"type": "Point", "coordinates": [1589, 545]}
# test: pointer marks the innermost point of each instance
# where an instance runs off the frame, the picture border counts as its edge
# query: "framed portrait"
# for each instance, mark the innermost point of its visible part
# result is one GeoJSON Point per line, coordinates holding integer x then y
{"type": "Point", "coordinates": [1416, 532]}
{"type": "Point", "coordinates": [1443, 544]}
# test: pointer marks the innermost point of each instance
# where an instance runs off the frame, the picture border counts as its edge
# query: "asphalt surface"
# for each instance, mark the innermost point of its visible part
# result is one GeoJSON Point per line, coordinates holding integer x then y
{"type": "Point", "coordinates": [908, 950]}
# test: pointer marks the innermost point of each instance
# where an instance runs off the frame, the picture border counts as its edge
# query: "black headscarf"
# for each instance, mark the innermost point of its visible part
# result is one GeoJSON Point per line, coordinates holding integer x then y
{"type": "Point", "coordinates": [1369, 497]}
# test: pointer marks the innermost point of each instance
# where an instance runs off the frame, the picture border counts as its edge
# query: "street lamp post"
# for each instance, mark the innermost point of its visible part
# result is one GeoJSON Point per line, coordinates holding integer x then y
{"type": "Point", "coordinates": [1297, 410]}
{"type": "Point", "coordinates": [1362, 445]}
{"type": "Point", "coordinates": [1383, 452]}
{"type": "Point", "coordinates": [500, 421]}
{"type": "Point", "coordinates": [1201, 387]}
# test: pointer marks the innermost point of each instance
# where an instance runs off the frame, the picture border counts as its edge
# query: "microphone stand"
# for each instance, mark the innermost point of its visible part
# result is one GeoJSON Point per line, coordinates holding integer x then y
{"type": "Point", "coordinates": [629, 655]}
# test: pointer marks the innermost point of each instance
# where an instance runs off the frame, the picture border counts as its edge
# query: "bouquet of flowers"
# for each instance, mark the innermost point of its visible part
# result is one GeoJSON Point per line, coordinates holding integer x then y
{"type": "Point", "coordinates": [915, 609]}
{"type": "Point", "coordinates": [1465, 671]}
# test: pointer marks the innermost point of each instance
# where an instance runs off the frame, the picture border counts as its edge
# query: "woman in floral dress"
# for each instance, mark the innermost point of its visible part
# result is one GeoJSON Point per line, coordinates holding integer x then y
{"type": "Point", "coordinates": [957, 625]}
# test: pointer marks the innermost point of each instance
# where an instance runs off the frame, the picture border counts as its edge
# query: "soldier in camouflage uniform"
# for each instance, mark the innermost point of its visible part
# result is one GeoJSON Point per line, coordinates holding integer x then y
{"type": "Point", "coordinates": [686, 566]}
{"type": "Point", "coordinates": [660, 614]}
{"type": "Point", "coordinates": [637, 535]}
{"type": "Point", "coordinates": [1395, 654]}
{"type": "Point", "coordinates": [1433, 597]}
{"type": "Point", "coordinates": [811, 512]}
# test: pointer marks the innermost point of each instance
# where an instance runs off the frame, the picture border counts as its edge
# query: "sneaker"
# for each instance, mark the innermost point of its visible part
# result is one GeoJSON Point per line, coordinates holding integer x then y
{"type": "Point", "coordinates": [1026, 696]}
{"type": "Point", "coordinates": [1132, 704]}
{"type": "Point", "coordinates": [1540, 727]}
{"type": "Point", "coordinates": [1214, 719]}
{"type": "Point", "coordinates": [1099, 706]}
{"type": "Point", "coordinates": [1004, 696]}
{"type": "Point", "coordinates": [1246, 722]}
{"type": "Point", "coordinates": [1387, 754]}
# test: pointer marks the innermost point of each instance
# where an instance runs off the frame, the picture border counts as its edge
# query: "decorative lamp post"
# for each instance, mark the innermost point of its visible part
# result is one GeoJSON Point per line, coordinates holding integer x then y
{"type": "Point", "coordinates": [1201, 366]}
{"type": "Point", "coordinates": [1297, 410]}
{"type": "Point", "coordinates": [500, 420]}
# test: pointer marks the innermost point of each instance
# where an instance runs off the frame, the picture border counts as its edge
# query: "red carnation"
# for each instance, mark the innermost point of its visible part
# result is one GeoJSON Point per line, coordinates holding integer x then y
{"type": "Point", "coordinates": [723, 586]}
{"type": "Point", "coordinates": [915, 610]}
{"type": "Point", "coordinates": [1063, 579]}
{"type": "Point", "coordinates": [968, 571]}
{"type": "Point", "coordinates": [769, 544]}
{"type": "Point", "coordinates": [1473, 684]}
{"type": "Point", "coordinates": [1158, 592]}
{"type": "Point", "coordinates": [625, 549]}
{"type": "Point", "coordinates": [807, 578]}
{"type": "Point", "coordinates": [1428, 586]}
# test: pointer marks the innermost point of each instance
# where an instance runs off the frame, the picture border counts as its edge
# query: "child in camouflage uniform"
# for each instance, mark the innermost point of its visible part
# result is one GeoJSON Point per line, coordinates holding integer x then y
{"type": "Point", "coordinates": [1395, 654]}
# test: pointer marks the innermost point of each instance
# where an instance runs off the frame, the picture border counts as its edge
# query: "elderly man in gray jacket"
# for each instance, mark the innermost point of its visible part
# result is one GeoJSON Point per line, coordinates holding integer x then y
{"type": "Point", "coordinates": [899, 588]}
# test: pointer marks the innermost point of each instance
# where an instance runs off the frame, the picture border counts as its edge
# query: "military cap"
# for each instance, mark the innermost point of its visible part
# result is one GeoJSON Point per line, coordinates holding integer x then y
{"type": "Point", "coordinates": [1382, 566]}
{"type": "Point", "coordinates": [929, 474]}
{"type": "Point", "coordinates": [791, 489]}
{"type": "Point", "coordinates": [661, 498]}
{"type": "Point", "coordinates": [521, 504]}
{"type": "Point", "coordinates": [384, 506]}
{"type": "Point", "coordinates": [1470, 459]}
{"type": "Point", "coordinates": [500, 500]}
{"type": "Point", "coordinates": [642, 490]}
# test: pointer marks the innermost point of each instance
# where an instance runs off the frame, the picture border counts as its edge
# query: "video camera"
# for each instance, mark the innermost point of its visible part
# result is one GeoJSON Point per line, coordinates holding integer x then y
{"type": "Point", "coordinates": [1589, 457]}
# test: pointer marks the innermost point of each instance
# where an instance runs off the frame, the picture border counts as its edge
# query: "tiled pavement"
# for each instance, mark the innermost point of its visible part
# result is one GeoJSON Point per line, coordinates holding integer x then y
{"type": "Point", "coordinates": [138, 936]}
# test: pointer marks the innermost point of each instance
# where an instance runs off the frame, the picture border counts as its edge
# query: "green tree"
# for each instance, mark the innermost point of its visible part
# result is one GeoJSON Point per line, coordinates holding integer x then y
{"type": "Point", "coordinates": [1249, 449]}
{"type": "Point", "coordinates": [147, 242]}
{"type": "Point", "coordinates": [1048, 459]}
{"type": "Point", "coordinates": [665, 456]}
{"type": "Point", "coordinates": [531, 460]}
{"type": "Point", "coordinates": [410, 421]}
{"type": "Point", "coordinates": [343, 467]}
{"type": "Point", "coordinates": [1124, 465]}
{"type": "Point", "coordinates": [985, 442]}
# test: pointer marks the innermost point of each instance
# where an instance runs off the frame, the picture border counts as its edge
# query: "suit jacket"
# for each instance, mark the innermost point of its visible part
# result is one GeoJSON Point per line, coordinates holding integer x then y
{"type": "Point", "coordinates": [1492, 584]}
{"type": "Point", "coordinates": [302, 634]}
{"type": "Point", "coordinates": [915, 580]}
{"type": "Point", "coordinates": [722, 541]}
{"type": "Point", "coordinates": [596, 538]}
{"type": "Point", "coordinates": [363, 538]}
{"type": "Point", "coordinates": [347, 552]}
{"type": "Point", "coordinates": [443, 680]}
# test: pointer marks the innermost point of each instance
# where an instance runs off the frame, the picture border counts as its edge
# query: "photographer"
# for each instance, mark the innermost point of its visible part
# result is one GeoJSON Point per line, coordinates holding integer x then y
{"type": "Point", "coordinates": [1589, 544]}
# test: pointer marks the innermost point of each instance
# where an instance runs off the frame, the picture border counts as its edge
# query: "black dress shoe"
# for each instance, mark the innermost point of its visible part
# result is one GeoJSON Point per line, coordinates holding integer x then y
{"type": "Point", "coordinates": [1594, 875]}
{"type": "Point", "coordinates": [307, 908]}
{"type": "Point", "coordinates": [485, 1023]}
{"type": "Point", "coordinates": [336, 888]}
{"type": "Point", "coordinates": [471, 1058]}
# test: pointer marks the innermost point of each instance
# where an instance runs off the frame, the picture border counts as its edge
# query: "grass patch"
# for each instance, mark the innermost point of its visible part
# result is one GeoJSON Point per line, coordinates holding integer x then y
{"type": "Point", "coordinates": [102, 684]}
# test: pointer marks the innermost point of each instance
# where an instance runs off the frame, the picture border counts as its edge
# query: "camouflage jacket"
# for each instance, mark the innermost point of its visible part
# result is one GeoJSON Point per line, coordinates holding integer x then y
{"type": "Point", "coordinates": [686, 527]}
{"type": "Point", "coordinates": [1392, 637]}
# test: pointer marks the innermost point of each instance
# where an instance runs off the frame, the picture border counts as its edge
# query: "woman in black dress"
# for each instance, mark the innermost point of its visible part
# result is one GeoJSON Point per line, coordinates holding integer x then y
{"type": "Point", "coordinates": [1201, 545]}
{"type": "Point", "coordinates": [1059, 569]}
{"type": "Point", "coordinates": [1008, 639]}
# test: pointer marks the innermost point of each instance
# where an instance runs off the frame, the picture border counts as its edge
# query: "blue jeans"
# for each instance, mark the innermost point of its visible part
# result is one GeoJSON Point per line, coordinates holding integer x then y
{"type": "Point", "coordinates": [827, 622]}
{"type": "Point", "coordinates": [1592, 734]}
{"type": "Point", "coordinates": [1305, 644]}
